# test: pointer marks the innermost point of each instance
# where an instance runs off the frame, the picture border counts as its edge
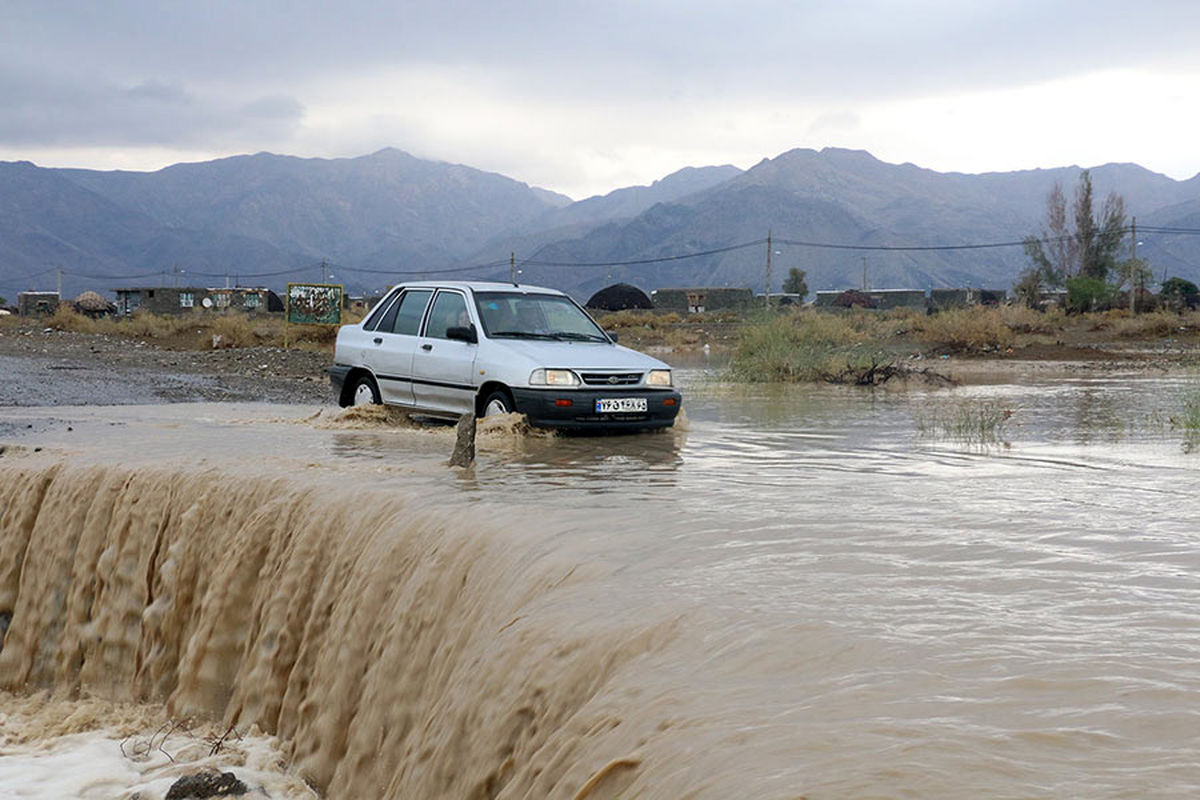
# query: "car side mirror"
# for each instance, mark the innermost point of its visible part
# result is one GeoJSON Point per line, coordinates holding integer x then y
{"type": "Point", "coordinates": [463, 333]}
{"type": "Point", "coordinates": [612, 336]}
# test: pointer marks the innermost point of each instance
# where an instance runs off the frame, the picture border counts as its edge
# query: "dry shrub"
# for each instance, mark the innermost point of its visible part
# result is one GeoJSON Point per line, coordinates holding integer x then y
{"type": "Point", "coordinates": [637, 319]}
{"type": "Point", "coordinates": [313, 334]}
{"type": "Point", "coordinates": [1106, 320]}
{"type": "Point", "coordinates": [234, 330]}
{"type": "Point", "coordinates": [967, 330]}
{"type": "Point", "coordinates": [1157, 324]}
{"type": "Point", "coordinates": [144, 325]}
{"type": "Point", "coordinates": [1023, 319]}
{"type": "Point", "coordinates": [66, 318]}
{"type": "Point", "coordinates": [832, 329]}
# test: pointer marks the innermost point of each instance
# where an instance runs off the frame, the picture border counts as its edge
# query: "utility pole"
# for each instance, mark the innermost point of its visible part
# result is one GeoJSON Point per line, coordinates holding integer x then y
{"type": "Point", "coordinates": [864, 258]}
{"type": "Point", "coordinates": [1133, 267]}
{"type": "Point", "coordinates": [767, 288]}
{"type": "Point", "coordinates": [512, 268]}
{"type": "Point", "coordinates": [58, 282]}
{"type": "Point", "coordinates": [324, 270]}
{"type": "Point", "coordinates": [175, 271]}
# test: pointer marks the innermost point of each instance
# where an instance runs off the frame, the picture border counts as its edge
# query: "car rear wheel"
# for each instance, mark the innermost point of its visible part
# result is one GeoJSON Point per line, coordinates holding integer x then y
{"type": "Point", "coordinates": [365, 392]}
{"type": "Point", "coordinates": [498, 402]}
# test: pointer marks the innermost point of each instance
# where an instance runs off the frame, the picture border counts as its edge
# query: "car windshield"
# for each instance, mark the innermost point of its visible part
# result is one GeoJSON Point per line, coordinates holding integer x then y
{"type": "Point", "coordinates": [516, 315]}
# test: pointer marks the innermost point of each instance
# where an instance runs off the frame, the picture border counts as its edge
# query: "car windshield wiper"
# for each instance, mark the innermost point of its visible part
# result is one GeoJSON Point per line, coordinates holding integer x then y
{"type": "Point", "coordinates": [521, 335]}
{"type": "Point", "coordinates": [579, 337]}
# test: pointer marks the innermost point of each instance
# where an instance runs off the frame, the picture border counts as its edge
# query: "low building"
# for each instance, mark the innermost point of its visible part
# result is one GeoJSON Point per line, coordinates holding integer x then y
{"type": "Point", "coordinates": [37, 304]}
{"type": "Point", "coordinates": [360, 304]}
{"type": "Point", "coordinates": [872, 298]}
{"type": "Point", "coordinates": [931, 301]}
{"type": "Point", "coordinates": [898, 298]}
{"type": "Point", "coordinates": [944, 299]}
{"type": "Point", "coordinates": [695, 300]}
{"type": "Point", "coordinates": [184, 299]}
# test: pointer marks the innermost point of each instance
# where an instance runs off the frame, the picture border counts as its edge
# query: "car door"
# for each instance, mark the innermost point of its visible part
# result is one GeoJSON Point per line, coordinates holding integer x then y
{"type": "Point", "coordinates": [389, 353]}
{"type": "Point", "coordinates": [442, 368]}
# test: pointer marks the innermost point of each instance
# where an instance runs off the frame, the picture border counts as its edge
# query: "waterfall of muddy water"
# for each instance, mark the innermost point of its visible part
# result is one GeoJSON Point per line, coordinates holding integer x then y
{"type": "Point", "coordinates": [800, 595]}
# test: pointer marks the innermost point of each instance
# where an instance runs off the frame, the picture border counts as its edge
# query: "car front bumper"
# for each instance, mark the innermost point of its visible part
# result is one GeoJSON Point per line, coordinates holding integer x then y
{"type": "Point", "coordinates": [546, 408]}
{"type": "Point", "coordinates": [337, 376]}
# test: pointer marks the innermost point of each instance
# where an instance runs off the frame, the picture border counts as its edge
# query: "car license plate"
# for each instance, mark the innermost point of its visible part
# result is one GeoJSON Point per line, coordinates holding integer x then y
{"type": "Point", "coordinates": [619, 405]}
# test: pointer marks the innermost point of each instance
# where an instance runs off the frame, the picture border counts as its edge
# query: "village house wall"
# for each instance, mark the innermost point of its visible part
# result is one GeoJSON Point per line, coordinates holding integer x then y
{"type": "Point", "coordinates": [34, 304]}
{"type": "Point", "coordinates": [184, 299]}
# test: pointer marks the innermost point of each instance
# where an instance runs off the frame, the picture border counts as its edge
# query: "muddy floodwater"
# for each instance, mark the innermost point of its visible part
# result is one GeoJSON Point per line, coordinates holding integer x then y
{"type": "Point", "coordinates": [804, 591]}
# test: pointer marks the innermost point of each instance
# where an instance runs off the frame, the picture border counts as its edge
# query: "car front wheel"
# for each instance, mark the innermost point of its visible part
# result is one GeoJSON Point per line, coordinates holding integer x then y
{"type": "Point", "coordinates": [498, 402]}
{"type": "Point", "coordinates": [365, 392]}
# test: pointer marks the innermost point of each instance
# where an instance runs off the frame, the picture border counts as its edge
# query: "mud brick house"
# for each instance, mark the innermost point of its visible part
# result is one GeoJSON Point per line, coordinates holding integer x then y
{"type": "Point", "coordinates": [35, 304]}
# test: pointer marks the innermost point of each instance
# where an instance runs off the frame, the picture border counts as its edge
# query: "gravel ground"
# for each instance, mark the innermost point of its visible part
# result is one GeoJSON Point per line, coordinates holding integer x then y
{"type": "Point", "coordinates": [50, 368]}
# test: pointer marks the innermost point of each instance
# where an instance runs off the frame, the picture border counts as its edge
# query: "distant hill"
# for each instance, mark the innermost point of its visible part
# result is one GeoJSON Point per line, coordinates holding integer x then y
{"type": "Point", "coordinates": [849, 197]}
{"type": "Point", "coordinates": [255, 214]}
{"type": "Point", "coordinates": [378, 218]}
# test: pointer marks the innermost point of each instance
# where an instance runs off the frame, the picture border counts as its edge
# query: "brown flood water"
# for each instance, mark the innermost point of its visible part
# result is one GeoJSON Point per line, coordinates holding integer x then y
{"type": "Point", "coordinates": [809, 592]}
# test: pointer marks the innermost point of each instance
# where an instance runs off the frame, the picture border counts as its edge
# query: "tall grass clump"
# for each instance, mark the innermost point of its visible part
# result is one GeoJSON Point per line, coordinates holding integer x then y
{"type": "Point", "coordinates": [967, 330]}
{"type": "Point", "coordinates": [630, 318]}
{"type": "Point", "coordinates": [145, 325]}
{"type": "Point", "coordinates": [235, 330]}
{"type": "Point", "coordinates": [1188, 418]}
{"type": "Point", "coordinates": [1158, 324]}
{"type": "Point", "coordinates": [966, 421]}
{"type": "Point", "coordinates": [800, 347]}
{"type": "Point", "coordinates": [66, 318]}
{"type": "Point", "coordinates": [1023, 319]}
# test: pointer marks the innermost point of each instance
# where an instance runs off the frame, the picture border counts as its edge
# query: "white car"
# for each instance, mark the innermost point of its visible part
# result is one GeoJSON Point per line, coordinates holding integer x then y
{"type": "Point", "coordinates": [446, 348]}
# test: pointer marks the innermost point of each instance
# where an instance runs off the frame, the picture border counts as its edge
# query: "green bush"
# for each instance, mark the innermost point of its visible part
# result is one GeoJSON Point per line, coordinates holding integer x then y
{"type": "Point", "coordinates": [1089, 294]}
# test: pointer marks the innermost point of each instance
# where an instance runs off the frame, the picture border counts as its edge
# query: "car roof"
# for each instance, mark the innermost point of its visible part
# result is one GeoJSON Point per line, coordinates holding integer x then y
{"type": "Point", "coordinates": [479, 286]}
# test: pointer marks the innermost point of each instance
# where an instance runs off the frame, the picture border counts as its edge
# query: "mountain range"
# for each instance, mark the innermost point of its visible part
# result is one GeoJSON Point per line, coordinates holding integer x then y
{"type": "Point", "coordinates": [843, 216]}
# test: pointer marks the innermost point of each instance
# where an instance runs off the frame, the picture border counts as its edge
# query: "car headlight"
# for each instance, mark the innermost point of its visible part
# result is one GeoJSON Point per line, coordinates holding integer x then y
{"type": "Point", "coordinates": [658, 377]}
{"type": "Point", "coordinates": [553, 377]}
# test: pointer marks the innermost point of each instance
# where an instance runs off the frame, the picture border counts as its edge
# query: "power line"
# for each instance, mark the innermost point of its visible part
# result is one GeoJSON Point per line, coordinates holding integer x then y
{"type": "Point", "coordinates": [531, 259]}
{"type": "Point", "coordinates": [638, 261]}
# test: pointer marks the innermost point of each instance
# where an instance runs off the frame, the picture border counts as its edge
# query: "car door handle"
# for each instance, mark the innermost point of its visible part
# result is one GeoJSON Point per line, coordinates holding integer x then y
{"type": "Point", "coordinates": [378, 340]}
{"type": "Point", "coordinates": [426, 347]}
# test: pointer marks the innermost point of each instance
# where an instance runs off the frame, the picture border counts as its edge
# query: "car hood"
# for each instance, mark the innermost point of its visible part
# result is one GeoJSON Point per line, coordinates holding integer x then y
{"type": "Point", "coordinates": [579, 355]}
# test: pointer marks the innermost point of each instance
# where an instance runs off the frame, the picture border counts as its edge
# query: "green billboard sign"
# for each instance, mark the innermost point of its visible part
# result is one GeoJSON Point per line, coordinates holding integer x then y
{"type": "Point", "coordinates": [314, 303]}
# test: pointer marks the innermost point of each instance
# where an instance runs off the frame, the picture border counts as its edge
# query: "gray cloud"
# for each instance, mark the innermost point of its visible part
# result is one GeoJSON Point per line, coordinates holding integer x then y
{"type": "Point", "coordinates": [231, 74]}
{"type": "Point", "coordinates": [47, 112]}
{"type": "Point", "coordinates": [817, 48]}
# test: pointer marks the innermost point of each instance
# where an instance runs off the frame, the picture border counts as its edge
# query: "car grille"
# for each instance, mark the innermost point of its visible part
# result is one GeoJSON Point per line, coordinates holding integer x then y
{"type": "Point", "coordinates": [611, 378]}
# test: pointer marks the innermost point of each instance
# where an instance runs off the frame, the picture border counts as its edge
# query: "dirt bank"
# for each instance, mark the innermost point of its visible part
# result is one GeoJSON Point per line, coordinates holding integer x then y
{"type": "Point", "coordinates": [40, 366]}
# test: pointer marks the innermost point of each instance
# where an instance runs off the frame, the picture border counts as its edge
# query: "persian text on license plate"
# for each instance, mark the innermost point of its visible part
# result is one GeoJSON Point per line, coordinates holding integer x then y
{"type": "Point", "coordinates": [620, 405]}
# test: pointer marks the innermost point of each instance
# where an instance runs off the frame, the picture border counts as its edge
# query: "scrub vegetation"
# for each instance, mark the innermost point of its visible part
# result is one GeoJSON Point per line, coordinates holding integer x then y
{"type": "Point", "coordinates": [789, 344]}
{"type": "Point", "coordinates": [862, 346]}
{"type": "Point", "coordinates": [809, 347]}
{"type": "Point", "coordinates": [197, 331]}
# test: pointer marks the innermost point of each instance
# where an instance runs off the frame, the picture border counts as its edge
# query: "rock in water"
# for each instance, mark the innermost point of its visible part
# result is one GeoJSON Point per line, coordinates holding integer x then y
{"type": "Point", "coordinates": [464, 443]}
{"type": "Point", "coordinates": [206, 784]}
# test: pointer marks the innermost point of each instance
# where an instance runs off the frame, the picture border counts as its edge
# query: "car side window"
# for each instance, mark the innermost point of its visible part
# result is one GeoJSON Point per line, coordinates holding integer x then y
{"type": "Point", "coordinates": [410, 309]}
{"type": "Point", "coordinates": [449, 311]}
{"type": "Point", "coordinates": [385, 316]}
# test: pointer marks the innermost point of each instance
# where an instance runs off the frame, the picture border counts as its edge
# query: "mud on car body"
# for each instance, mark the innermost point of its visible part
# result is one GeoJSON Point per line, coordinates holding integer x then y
{"type": "Point", "coordinates": [446, 348]}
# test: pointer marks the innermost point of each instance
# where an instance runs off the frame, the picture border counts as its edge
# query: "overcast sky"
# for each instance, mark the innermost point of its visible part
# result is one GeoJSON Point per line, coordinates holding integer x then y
{"type": "Point", "coordinates": [586, 97]}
